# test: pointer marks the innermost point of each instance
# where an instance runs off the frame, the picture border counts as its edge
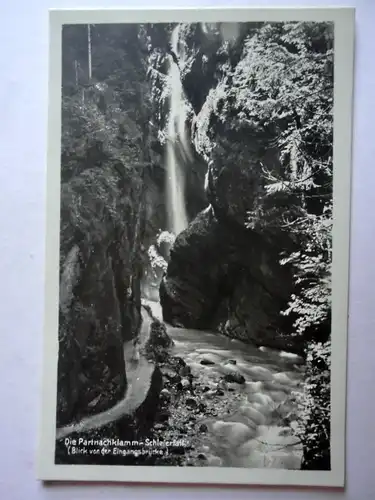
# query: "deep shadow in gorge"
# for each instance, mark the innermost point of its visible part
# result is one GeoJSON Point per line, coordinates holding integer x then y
{"type": "Point", "coordinates": [248, 200]}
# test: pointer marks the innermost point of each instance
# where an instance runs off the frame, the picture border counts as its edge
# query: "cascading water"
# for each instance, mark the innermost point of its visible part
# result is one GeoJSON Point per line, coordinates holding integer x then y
{"type": "Point", "coordinates": [177, 147]}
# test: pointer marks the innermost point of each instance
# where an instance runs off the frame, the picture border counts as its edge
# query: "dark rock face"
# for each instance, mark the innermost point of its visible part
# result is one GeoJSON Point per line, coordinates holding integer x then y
{"type": "Point", "coordinates": [225, 277]}
{"type": "Point", "coordinates": [232, 189]}
{"type": "Point", "coordinates": [234, 377]}
{"type": "Point", "coordinates": [99, 293]}
{"type": "Point", "coordinates": [158, 335]}
{"type": "Point", "coordinates": [128, 427]}
{"type": "Point", "coordinates": [221, 275]}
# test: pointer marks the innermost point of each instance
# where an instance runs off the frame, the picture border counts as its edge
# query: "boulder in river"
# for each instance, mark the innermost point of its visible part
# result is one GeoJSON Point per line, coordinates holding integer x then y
{"type": "Point", "coordinates": [191, 402]}
{"type": "Point", "coordinates": [222, 276]}
{"type": "Point", "coordinates": [235, 377]}
{"type": "Point", "coordinates": [203, 428]}
{"type": "Point", "coordinates": [158, 335]}
{"type": "Point", "coordinates": [207, 362]}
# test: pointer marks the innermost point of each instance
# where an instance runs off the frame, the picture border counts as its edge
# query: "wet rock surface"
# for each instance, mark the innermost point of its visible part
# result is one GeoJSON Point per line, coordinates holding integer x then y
{"type": "Point", "coordinates": [239, 288]}
{"type": "Point", "coordinates": [237, 412]}
{"type": "Point", "coordinates": [99, 292]}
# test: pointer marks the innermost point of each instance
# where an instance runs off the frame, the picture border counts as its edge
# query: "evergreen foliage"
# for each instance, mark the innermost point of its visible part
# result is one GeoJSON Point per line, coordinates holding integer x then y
{"type": "Point", "coordinates": [260, 97]}
{"type": "Point", "coordinates": [281, 87]}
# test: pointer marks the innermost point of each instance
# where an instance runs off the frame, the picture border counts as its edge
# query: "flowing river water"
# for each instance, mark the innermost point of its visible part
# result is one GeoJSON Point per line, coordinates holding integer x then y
{"type": "Point", "coordinates": [255, 425]}
{"type": "Point", "coordinates": [251, 424]}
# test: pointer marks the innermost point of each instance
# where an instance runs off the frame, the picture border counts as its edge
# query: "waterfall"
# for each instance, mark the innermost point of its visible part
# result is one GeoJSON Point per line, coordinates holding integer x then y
{"type": "Point", "coordinates": [177, 147]}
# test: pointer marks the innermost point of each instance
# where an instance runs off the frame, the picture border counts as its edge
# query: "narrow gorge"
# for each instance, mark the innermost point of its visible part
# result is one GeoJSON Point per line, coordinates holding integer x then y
{"type": "Point", "coordinates": [196, 195]}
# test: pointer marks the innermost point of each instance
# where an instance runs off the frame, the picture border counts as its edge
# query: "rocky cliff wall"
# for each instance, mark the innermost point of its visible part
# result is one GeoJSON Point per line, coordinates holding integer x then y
{"type": "Point", "coordinates": [99, 290]}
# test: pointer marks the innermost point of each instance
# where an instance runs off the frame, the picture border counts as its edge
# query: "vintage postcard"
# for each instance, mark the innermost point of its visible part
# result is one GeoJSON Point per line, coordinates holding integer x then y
{"type": "Point", "coordinates": [197, 248]}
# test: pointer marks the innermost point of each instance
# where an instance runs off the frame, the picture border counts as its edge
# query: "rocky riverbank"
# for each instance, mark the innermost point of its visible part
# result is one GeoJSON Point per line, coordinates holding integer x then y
{"type": "Point", "coordinates": [208, 401]}
{"type": "Point", "coordinates": [231, 404]}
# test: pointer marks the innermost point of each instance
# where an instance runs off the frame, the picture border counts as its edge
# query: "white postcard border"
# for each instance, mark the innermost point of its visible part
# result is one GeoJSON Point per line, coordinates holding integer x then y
{"type": "Point", "coordinates": [343, 94]}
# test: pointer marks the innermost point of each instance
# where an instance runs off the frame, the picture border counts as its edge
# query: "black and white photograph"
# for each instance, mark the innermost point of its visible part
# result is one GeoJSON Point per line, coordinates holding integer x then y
{"type": "Point", "coordinates": [195, 323]}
